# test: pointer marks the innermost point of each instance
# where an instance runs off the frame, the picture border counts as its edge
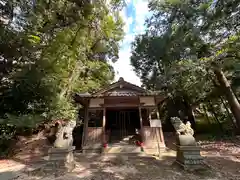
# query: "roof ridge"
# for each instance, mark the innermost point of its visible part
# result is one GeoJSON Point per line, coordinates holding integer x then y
{"type": "Point", "coordinates": [114, 85]}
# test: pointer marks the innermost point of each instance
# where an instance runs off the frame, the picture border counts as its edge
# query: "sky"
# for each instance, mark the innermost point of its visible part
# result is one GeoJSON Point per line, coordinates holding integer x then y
{"type": "Point", "coordinates": [134, 15]}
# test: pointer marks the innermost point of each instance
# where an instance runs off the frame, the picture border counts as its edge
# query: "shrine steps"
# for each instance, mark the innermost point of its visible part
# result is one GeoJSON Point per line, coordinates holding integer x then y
{"type": "Point", "coordinates": [122, 148]}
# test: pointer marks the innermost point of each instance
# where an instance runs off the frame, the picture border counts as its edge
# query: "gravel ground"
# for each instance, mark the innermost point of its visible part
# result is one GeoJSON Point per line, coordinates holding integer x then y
{"type": "Point", "coordinates": [222, 159]}
{"type": "Point", "coordinates": [120, 167]}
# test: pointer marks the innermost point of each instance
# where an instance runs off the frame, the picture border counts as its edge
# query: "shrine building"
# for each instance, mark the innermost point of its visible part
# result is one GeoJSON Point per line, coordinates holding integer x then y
{"type": "Point", "coordinates": [120, 118]}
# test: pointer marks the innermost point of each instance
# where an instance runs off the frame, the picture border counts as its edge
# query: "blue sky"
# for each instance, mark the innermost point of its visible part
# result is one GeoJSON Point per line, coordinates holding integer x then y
{"type": "Point", "coordinates": [134, 15]}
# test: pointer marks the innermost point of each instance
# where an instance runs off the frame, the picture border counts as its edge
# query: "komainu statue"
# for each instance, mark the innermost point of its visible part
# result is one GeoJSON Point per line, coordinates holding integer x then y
{"type": "Point", "coordinates": [60, 157]}
{"type": "Point", "coordinates": [181, 128]}
{"type": "Point", "coordinates": [64, 137]}
{"type": "Point", "coordinates": [184, 132]}
{"type": "Point", "coordinates": [188, 151]}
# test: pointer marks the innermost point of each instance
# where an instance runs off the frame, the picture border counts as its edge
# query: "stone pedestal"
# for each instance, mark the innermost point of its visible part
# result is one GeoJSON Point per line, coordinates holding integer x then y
{"type": "Point", "coordinates": [61, 159]}
{"type": "Point", "coordinates": [189, 157]}
{"type": "Point", "coordinates": [186, 140]}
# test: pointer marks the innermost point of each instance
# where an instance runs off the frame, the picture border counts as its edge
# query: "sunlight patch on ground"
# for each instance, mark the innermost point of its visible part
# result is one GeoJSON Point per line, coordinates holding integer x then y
{"type": "Point", "coordinates": [11, 165]}
{"type": "Point", "coordinates": [121, 169]}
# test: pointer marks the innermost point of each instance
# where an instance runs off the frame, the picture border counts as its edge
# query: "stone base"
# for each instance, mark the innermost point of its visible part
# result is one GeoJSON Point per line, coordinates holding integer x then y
{"type": "Point", "coordinates": [186, 140]}
{"type": "Point", "coordinates": [190, 167]}
{"type": "Point", "coordinates": [118, 148]}
{"type": "Point", "coordinates": [154, 151]}
{"type": "Point", "coordinates": [61, 159]}
{"type": "Point", "coordinates": [189, 157]}
{"type": "Point", "coordinates": [94, 148]}
{"type": "Point", "coordinates": [154, 148]}
{"type": "Point", "coordinates": [92, 151]}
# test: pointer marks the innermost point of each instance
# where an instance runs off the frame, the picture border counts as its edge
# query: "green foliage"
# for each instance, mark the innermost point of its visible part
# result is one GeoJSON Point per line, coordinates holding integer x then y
{"type": "Point", "coordinates": [182, 45]}
{"type": "Point", "coordinates": [25, 120]}
{"type": "Point", "coordinates": [190, 78]}
{"type": "Point", "coordinates": [7, 134]}
{"type": "Point", "coordinates": [179, 32]}
{"type": "Point", "coordinates": [65, 46]}
{"type": "Point", "coordinates": [63, 108]}
{"type": "Point", "coordinates": [50, 50]}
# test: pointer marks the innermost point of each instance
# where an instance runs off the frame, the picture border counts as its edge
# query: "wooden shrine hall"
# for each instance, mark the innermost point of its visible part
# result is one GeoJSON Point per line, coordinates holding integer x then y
{"type": "Point", "coordinates": [121, 115]}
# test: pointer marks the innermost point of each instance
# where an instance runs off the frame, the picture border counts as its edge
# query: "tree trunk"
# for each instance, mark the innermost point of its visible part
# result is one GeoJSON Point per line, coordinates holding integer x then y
{"type": "Point", "coordinates": [215, 115]}
{"type": "Point", "coordinates": [206, 113]}
{"type": "Point", "coordinates": [229, 115]}
{"type": "Point", "coordinates": [172, 111]}
{"type": "Point", "coordinates": [230, 96]}
{"type": "Point", "coordinates": [189, 112]}
{"type": "Point", "coordinates": [191, 117]}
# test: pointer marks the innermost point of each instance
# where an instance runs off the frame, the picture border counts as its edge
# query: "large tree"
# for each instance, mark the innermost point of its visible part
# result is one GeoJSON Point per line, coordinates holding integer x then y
{"type": "Point", "coordinates": [179, 36]}
{"type": "Point", "coordinates": [51, 49]}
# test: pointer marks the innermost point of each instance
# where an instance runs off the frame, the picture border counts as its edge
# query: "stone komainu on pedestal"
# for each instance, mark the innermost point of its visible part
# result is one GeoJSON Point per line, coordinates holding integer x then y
{"type": "Point", "coordinates": [64, 137]}
{"type": "Point", "coordinates": [61, 155]}
{"type": "Point", "coordinates": [188, 151]}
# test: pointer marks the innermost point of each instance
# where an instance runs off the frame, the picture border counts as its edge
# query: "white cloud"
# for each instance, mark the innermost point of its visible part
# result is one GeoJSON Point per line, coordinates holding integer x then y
{"type": "Point", "coordinates": [122, 67]}
{"type": "Point", "coordinates": [127, 41]}
{"type": "Point", "coordinates": [128, 1]}
{"type": "Point", "coordinates": [142, 13]}
{"type": "Point", "coordinates": [128, 22]}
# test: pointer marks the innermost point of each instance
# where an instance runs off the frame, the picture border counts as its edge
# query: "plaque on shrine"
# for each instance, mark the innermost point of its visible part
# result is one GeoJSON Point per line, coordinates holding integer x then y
{"type": "Point", "coordinates": [155, 123]}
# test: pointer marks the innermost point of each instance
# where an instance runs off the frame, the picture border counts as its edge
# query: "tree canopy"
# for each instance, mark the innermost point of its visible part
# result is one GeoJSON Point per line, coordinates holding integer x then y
{"type": "Point", "coordinates": [52, 49]}
{"type": "Point", "coordinates": [190, 49]}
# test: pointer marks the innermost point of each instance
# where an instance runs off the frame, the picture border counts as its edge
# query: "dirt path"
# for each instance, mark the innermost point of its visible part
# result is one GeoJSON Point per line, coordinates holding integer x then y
{"type": "Point", "coordinates": [222, 158]}
{"type": "Point", "coordinates": [119, 167]}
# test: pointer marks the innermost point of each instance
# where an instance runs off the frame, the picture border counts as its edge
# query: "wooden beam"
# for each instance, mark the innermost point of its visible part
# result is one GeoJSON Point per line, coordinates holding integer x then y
{"type": "Point", "coordinates": [122, 106]}
{"type": "Point", "coordinates": [141, 124]}
{"type": "Point", "coordinates": [149, 114]}
{"type": "Point", "coordinates": [160, 129]}
{"type": "Point", "coordinates": [104, 126]}
{"type": "Point", "coordinates": [85, 125]}
{"type": "Point", "coordinates": [158, 115]}
{"type": "Point", "coordinates": [140, 116]}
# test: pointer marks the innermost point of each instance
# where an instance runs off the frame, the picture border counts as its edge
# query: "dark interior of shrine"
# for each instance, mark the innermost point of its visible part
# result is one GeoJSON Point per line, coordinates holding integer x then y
{"type": "Point", "coordinates": [122, 124]}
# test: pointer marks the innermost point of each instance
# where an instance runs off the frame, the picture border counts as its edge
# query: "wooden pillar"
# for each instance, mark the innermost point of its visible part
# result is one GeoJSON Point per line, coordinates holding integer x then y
{"type": "Point", "coordinates": [149, 115]}
{"type": "Point", "coordinates": [158, 115]}
{"type": "Point", "coordinates": [104, 126]}
{"type": "Point", "coordinates": [140, 116]}
{"type": "Point", "coordinates": [141, 124]}
{"type": "Point", "coordinates": [161, 132]}
{"type": "Point", "coordinates": [85, 125]}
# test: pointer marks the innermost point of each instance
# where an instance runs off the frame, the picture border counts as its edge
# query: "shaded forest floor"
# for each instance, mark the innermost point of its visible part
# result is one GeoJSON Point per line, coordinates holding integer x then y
{"type": "Point", "coordinates": [222, 158]}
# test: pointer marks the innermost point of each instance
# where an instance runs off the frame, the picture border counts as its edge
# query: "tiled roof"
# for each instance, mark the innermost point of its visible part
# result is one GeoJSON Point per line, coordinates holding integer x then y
{"type": "Point", "coordinates": [121, 93]}
{"type": "Point", "coordinates": [120, 83]}
{"type": "Point", "coordinates": [116, 94]}
{"type": "Point", "coordinates": [120, 88]}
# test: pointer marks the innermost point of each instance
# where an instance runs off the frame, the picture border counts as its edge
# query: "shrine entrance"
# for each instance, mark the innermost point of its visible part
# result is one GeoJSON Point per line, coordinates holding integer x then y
{"type": "Point", "coordinates": [121, 124]}
{"type": "Point", "coordinates": [119, 118]}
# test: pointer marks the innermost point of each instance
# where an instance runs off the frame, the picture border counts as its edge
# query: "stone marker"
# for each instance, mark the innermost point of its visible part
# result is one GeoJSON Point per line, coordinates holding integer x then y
{"type": "Point", "coordinates": [62, 159]}
{"type": "Point", "coordinates": [61, 155]}
{"type": "Point", "coordinates": [188, 151]}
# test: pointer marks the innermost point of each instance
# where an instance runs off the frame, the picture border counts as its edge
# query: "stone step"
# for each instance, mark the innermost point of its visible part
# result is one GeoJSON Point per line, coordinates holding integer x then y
{"type": "Point", "coordinates": [124, 139]}
{"type": "Point", "coordinates": [116, 148]}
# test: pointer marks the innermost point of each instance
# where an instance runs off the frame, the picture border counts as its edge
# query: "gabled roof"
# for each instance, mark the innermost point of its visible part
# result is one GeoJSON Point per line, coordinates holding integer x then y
{"type": "Point", "coordinates": [120, 88]}
{"type": "Point", "coordinates": [122, 85]}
